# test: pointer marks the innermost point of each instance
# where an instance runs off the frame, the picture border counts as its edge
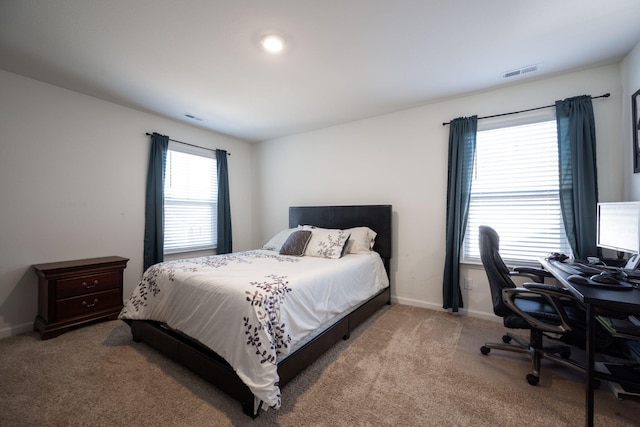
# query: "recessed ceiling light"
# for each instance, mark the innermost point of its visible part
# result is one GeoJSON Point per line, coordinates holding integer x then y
{"type": "Point", "coordinates": [273, 43]}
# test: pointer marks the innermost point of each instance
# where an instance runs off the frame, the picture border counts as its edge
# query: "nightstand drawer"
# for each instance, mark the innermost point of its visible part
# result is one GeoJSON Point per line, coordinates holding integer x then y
{"type": "Point", "coordinates": [87, 304]}
{"type": "Point", "coordinates": [88, 284]}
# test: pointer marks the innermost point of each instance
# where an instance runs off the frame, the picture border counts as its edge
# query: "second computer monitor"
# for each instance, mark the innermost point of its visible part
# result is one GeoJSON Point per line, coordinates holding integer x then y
{"type": "Point", "coordinates": [619, 229]}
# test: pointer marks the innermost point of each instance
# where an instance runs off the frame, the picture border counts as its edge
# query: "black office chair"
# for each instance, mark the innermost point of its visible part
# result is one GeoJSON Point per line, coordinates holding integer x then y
{"type": "Point", "coordinates": [539, 307]}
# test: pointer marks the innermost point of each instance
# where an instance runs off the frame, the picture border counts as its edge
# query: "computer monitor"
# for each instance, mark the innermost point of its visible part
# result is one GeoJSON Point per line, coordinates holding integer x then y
{"type": "Point", "coordinates": [619, 229]}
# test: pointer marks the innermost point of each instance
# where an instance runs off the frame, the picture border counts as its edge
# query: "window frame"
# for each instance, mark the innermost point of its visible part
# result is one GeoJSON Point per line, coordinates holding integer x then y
{"type": "Point", "coordinates": [500, 123]}
{"type": "Point", "coordinates": [211, 203]}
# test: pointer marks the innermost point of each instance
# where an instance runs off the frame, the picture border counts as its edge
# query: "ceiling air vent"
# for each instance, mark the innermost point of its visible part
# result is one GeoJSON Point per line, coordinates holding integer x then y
{"type": "Point", "coordinates": [192, 117]}
{"type": "Point", "coordinates": [520, 71]}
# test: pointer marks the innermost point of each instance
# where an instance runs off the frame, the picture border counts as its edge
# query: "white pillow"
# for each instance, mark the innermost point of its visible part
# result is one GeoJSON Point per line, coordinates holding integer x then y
{"type": "Point", "coordinates": [326, 243]}
{"type": "Point", "coordinates": [361, 240]}
{"type": "Point", "coordinates": [276, 242]}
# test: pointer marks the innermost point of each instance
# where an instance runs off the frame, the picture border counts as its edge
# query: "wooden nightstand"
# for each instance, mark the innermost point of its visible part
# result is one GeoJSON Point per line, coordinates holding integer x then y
{"type": "Point", "coordinates": [71, 293]}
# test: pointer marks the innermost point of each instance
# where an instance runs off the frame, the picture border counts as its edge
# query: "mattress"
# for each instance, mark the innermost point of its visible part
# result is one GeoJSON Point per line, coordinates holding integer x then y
{"type": "Point", "coordinates": [253, 308]}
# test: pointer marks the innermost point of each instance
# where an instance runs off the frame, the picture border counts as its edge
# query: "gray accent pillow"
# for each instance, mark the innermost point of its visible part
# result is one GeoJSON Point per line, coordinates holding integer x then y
{"type": "Point", "coordinates": [296, 243]}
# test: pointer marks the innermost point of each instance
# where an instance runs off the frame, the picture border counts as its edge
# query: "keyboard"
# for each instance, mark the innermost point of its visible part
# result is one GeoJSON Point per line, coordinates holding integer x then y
{"type": "Point", "coordinates": [578, 268]}
{"type": "Point", "coordinates": [584, 269]}
{"type": "Point", "coordinates": [567, 268]}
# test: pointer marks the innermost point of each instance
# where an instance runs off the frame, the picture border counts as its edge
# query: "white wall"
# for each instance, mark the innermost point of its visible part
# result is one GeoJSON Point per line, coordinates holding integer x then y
{"type": "Point", "coordinates": [72, 185]}
{"type": "Point", "coordinates": [401, 159]}
{"type": "Point", "coordinates": [630, 84]}
{"type": "Point", "coordinates": [73, 171]}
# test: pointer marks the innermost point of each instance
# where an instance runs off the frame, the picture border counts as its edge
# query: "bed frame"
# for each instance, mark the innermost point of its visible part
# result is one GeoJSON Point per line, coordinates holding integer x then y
{"type": "Point", "coordinates": [217, 371]}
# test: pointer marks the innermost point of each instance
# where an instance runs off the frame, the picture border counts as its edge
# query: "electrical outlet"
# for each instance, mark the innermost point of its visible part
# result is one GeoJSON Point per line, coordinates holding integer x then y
{"type": "Point", "coordinates": [468, 283]}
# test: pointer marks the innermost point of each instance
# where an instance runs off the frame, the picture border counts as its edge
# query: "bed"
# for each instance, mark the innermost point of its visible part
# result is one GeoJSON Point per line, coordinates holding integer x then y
{"type": "Point", "coordinates": [284, 351]}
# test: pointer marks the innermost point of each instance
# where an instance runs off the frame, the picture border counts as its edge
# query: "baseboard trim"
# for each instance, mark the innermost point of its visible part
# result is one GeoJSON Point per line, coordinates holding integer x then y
{"type": "Point", "coordinates": [16, 330]}
{"type": "Point", "coordinates": [463, 311]}
{"type": "Point", "coordinates": [418, 303]}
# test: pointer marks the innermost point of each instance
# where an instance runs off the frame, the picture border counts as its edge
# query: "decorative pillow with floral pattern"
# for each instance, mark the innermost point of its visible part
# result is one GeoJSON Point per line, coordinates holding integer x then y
{"type": "Point", "coordinates": [326, 243]}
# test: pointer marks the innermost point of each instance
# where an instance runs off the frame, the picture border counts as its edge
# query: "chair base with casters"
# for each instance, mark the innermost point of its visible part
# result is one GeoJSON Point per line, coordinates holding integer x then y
{"type": "Point", "coordinates": [557, 353]}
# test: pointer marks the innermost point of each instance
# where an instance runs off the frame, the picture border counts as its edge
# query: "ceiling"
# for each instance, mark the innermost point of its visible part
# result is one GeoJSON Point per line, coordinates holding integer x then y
{"type": "Point", "coordinates": [345, 59]}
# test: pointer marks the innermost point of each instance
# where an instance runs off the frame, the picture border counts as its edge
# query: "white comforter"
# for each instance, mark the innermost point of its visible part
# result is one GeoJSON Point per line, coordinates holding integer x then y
{"type": "Point", "coordinates": [252, 307]}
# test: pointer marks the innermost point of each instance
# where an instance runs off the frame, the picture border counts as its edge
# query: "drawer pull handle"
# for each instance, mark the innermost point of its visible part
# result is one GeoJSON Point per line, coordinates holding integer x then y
{"type": "Point", "coordinates": [86, 304]}
{"type": "Point", "coordinates": [89, 286]}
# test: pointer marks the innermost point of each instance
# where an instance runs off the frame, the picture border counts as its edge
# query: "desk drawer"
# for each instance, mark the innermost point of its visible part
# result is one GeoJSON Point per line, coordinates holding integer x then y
{"type": "Point", "coordinates": [89, 304]}
{"type": "Point", "coordinates": [83, 285]}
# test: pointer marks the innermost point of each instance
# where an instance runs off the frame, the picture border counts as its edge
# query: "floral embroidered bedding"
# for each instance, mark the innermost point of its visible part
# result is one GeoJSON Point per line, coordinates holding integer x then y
{"type": "Point", "coordinates": [253, 308]}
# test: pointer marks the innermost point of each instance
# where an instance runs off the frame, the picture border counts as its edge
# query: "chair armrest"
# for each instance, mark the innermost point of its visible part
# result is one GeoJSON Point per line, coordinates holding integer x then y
{"type": "Point", "coordinates": [551, 296]}
{"type": "Point", "coordinates": [550, 289]}
{"type": "Point", "coordinates": [535, 274]}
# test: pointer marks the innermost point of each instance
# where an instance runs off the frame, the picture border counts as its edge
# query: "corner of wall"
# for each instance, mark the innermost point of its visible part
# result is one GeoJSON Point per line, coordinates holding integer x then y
{"type": "Point", "coordinates": [630, 76]}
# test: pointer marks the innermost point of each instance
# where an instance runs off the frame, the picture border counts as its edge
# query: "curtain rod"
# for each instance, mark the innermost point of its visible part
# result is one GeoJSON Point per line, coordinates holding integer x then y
{"type": "Point", "coordinates": [606, 95]}
{"type": "Point", "coordinates": [191, 145]}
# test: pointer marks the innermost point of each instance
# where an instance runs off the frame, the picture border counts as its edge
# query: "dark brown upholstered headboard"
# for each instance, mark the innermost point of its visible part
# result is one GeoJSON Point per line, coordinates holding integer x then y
{"type": "Point", "coordinates": [376, 217]}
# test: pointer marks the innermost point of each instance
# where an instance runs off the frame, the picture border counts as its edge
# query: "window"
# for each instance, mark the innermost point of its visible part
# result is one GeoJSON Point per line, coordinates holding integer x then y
{"type": "Point", "coordinates": [190, 199]}
{"type": "Point", "coordinates": [515, 191]}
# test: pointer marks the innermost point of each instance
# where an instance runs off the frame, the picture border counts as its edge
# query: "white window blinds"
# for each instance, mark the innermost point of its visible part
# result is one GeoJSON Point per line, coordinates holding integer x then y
{"type": "Point", "coordinates": [515, 191]}
{"type": "Point", "coordinates": [190, 199]}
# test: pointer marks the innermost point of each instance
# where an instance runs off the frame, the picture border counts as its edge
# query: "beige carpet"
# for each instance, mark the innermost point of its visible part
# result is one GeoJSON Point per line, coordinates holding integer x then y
{"type": "Point", "coordinates": [405, 367]}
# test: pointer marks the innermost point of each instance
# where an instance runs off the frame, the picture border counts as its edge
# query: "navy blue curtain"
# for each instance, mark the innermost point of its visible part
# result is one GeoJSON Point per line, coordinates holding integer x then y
{"type": "Point", "coordinates": [462, 151]}
{"type": "Point", "coordinates": [225, 241]}
{"type": "Point", "coordinates": [154, 202]}
{"type": "Point", "coordinates": [578, 173]}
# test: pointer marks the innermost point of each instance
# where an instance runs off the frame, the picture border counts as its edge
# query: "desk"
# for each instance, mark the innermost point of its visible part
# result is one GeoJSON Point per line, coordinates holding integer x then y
{"type": "Point", "coordinates": [594, 298]}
